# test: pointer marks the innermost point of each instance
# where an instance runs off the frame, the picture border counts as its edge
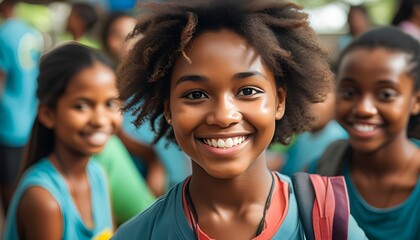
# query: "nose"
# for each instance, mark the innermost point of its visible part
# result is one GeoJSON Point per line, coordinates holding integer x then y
{"type": "Point", "coordinates": [224, 113]}
{"type": "Point", "coordinates": [100, 117]}
{"type": "Point", "coordinates": [365, 107]}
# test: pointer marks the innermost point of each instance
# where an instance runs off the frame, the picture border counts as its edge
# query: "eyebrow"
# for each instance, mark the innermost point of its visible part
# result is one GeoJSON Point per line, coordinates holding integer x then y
{"type": "Point", "coordinates": [237, 76]}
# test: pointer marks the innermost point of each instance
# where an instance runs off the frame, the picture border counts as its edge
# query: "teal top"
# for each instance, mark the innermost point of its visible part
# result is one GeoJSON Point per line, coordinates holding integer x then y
{"type": "Point", "coordinates": [398, 222]}
{"type": "Point", "coordinates": [44, 174]}
{"type": "Point", "coordinates": [129, 192]}
{"type": "Point", "coordinates": [309, 147]}
{"type": "Point", "coordinates": [166, 220]}
{"type": "Point", "coordinates": [20, 50]}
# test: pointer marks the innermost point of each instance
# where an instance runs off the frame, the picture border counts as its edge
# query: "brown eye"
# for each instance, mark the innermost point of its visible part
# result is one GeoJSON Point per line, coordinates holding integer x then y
{"type": "Point", "coordinates": [346, 92]}
{"type": "Point", "coordinates": [248, 91]}
{"type": "Point", "coordinates": [195, 95]}
{"type": "Point", "coordinates": [387, 94]}
{"type": "Point", "coordinates": [81, 106]}
{"type": "Point", "coordinates": [113, 104]}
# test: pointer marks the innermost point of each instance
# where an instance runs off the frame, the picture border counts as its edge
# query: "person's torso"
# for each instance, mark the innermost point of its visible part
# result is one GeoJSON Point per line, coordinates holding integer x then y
{"type": "Point", "coordinates": [398, 222]}
{"type": "Point", "coordinates": [44, 175]}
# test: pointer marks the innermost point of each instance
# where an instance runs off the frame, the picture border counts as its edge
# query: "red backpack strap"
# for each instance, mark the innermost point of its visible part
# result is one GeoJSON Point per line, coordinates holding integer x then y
{"type": "Point", "coordinates": [323, 206]}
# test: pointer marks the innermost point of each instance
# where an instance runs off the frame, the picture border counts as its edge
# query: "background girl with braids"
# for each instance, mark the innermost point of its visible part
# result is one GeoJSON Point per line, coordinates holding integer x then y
{"type": "Point", "coordinates": [64, 195]}
{"type": "Point", "coordinates": [224, 79]}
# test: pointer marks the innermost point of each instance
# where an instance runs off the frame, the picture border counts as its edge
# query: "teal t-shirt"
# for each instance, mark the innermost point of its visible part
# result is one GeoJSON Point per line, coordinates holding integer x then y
{"type": "Point", "coordinates": [398, 222]}
{"type": "Point", "coordinates": [44, 174]}
{"type": "Point", "coordinates": [166, 220]}
{"type": "Point", "coordinates": [20, 51]}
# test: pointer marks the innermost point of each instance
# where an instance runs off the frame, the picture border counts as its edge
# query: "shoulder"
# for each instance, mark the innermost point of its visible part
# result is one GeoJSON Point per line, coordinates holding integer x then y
{"type": "Point", "coordinates": [38, 210]}
{"type": "Point", "coordinates": [155, 219]}
{"type": "Point", "coordinates": [332, 159]}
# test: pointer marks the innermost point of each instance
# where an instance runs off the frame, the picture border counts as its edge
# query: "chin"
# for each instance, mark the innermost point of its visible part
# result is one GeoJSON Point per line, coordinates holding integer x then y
{"type": "Point", "coordinates": [224, 173]}
{"type": "Point", "coordinates": [364, 147]}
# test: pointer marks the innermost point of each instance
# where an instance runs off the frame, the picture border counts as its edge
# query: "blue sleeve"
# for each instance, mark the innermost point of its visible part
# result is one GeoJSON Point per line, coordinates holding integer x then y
{"type": "Point", "coordinates": [355, 232]}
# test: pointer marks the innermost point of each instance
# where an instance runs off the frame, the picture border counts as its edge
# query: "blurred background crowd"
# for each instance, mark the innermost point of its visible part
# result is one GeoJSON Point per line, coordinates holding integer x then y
{"type": "Point", "coordinates": [104, 25]}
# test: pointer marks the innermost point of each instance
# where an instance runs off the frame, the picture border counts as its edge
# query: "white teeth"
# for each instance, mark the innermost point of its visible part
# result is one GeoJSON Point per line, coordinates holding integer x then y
{"type": "Point", "coordinates": [224, 143]}
{"type": "Point", "coordinates": [213, 143]}
{"type": "Point", "coordinates": [229, 142]}
{"type": "Point", "coordinates": [364, 127]}
{"type": "Point", "coordinates": [98, 138]}
{"type": "Point", "coordinates": [221, 143]}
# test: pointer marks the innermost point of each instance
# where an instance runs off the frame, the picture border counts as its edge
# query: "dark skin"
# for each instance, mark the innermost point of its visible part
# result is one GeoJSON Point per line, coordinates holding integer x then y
{"type": "Point", "coordinates": [376, 97]}
{"type": "Point", "coordinates": [227, 94]}
{"type": "Point", "coordinates": [86, 115]}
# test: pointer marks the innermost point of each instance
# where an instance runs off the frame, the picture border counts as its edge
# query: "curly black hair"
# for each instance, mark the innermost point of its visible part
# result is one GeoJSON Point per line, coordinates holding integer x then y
{"type": "Point", "coordinates": [278, 30]}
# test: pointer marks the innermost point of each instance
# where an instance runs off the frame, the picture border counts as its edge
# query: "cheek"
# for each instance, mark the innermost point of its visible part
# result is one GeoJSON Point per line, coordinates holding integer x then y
{"type": "Point", "coordinates": [342, 108]}
{"type": "Point", "coordinates": [116, 118]}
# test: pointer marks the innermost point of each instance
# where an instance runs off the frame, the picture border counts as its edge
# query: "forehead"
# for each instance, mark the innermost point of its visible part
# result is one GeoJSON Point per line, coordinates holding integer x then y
{"type": "Point", "coordinates": [376, 62]}
{"type": "Point", "coordinates": [97, 76]}
{"type": "Point", "coordinates": [223, 49]}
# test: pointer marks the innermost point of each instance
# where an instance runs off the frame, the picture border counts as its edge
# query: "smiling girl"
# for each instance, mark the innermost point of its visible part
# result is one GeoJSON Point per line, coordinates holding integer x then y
{"type": "Point", "coordinates": [378, 95]}
{"type": "Point", "coordinates": [224, 79]}
{"type": "Point", "coordinates": [64, 195]}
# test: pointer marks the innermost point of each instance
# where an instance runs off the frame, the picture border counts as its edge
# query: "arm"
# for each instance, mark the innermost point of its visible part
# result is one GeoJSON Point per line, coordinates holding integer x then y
{"type": "Point", "coordinates": [155, 171]}
{"type": "Point", "coordinates": [39, 215]}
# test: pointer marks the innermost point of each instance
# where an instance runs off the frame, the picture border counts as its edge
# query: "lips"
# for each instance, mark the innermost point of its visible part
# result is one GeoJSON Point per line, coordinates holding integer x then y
{"type": "Point", "coordinates": [224, 142]}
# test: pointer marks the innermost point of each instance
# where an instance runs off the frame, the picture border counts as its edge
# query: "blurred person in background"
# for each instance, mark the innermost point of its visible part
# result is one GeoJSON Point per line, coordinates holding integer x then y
{"type": "Point", "coordinates": [171, 165]}
{"type": "Point", "coordinates": [407, 17]}
{"type": "Point", "coordinates": [80, 23]}
{"type": "Point", "coordinates": [20, 50]}
{"type": "Point", "coordinates": [309, 146]}
{"type": "Point", "coordinates": [358, 21]}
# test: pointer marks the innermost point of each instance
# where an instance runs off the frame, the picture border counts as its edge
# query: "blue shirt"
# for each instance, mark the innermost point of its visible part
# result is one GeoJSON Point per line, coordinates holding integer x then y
{"type": "Point", "coordinates": [166, 220]}
{"type": "Point", "coordinates": [44, 174]}
{"type": "Point", "coordinates": [20, 50]}
{"type": "Point", "coordinates": [398, 222]}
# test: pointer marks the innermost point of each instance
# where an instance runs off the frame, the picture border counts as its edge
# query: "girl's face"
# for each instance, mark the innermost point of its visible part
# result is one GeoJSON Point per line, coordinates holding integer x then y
{"type": "Point", "coordinates": [375, 97]}
{"type": "Point", "coordinates": [223, 105]}
{"type": "Point", "coordinates": [87, 114]}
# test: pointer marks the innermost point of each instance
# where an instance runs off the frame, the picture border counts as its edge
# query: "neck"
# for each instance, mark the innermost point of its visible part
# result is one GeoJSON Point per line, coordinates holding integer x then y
{"type": "Point", "coordinates": [248, 188]}
{"type": "Point", "coordinates": [77, 34]}
{"type": "Point", "coordinates": [70, 165]}
{"type": "Point", "coordinates": [387, 159]}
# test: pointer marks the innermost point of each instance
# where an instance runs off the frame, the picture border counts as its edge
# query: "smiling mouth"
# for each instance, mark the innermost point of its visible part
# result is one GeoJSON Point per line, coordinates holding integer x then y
{"type": "Point", "coordinates": [224, 142]}
{"type": "Point", "coordinates": [97, 138]}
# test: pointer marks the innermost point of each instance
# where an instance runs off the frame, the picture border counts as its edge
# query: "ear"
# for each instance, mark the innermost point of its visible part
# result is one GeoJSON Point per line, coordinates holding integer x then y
{"type": "Point", "coordinates": [46, 116]}
{"type": "Point", "coordinates": [281, 103]}
{"type": "Point", "coordinates": [416, 107]}
{"type": "Point", "coordinates": [167, 112]}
